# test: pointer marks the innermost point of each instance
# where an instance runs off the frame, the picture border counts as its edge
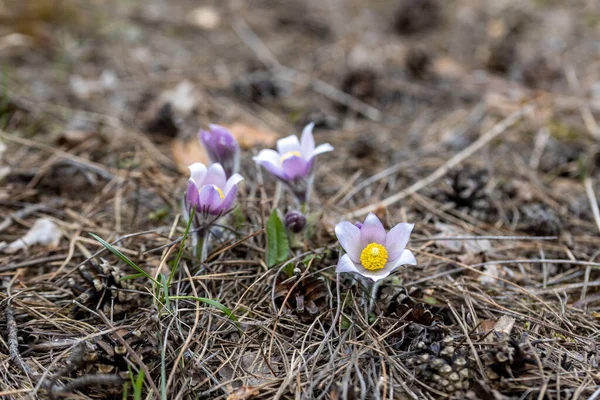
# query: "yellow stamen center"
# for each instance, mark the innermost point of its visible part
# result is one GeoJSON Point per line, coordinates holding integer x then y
{"type": "Point", "coordinates": [374, 257]}
{"type": "Point", "coordinates": [221, 195]}
{"type": "Point", "coordinates": [290, 154]}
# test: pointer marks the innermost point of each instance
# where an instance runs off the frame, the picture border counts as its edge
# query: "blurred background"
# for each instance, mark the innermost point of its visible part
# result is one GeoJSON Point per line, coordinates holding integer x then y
{"type": "Point", "coordinates": [384, 81]}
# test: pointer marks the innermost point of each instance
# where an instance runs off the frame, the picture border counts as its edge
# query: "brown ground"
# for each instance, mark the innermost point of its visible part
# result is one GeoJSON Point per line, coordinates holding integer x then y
{"type": "Point", "coordinates": [99, 107]}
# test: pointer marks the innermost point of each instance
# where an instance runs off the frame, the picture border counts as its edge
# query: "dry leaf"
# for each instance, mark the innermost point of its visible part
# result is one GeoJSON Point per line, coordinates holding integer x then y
{"type": "Point", "coordinates": [492, 273]}
{"type": "Point", "coordinates": [186, 153]}
{"type": "Point", "coordinates": [505, 324]}
{"type": "Point", "coordinates": [245, 392]}
{"type": "Point", "coordinates": [43, 231]}
{"type": "Point", "coordinates": [205, 17]}
{"type": "Point", "coordinates": [250, 136]}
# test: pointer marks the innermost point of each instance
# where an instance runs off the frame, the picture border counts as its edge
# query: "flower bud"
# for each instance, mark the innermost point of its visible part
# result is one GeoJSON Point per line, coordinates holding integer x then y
{"type": "Point", "coordinates": [222, 148]}
{"type": "Point", "coordinates": [295, 221]}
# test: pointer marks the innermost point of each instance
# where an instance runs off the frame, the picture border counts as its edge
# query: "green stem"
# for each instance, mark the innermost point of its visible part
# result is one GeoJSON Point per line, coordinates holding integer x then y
{"type": "Point", "coordinates": [202, 246]}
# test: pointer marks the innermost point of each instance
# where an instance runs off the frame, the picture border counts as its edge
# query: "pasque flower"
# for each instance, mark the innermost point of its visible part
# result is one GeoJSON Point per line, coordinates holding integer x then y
{"type": "Point", "coordinates": [293, 162]}
{"type": "Point", "coordinates": [209, 191]}
{"type": "Point", "coordinates": [370, 251]}
{"type": "Point", "coordinates": [222, 148]}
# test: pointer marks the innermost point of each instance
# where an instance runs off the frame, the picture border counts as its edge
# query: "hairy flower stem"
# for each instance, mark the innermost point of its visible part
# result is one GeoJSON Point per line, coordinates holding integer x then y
{"type": "Point", "coordinates": [201, 250]}
{"type": "Point", "coordinates": [373, 295]}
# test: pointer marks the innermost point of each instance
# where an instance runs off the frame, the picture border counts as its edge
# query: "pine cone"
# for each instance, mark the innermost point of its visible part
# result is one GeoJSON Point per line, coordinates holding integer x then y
{"type": "Point", "coordinates": [101, 288]}
{"type": "Point", "coordinates": [442, 366]}
{"type": "Point", "coordinates": [303, 296]}
{"type": "Point", "coordinates": [508, 356]}
{"type": "Point", "coordinates": [406, 305]}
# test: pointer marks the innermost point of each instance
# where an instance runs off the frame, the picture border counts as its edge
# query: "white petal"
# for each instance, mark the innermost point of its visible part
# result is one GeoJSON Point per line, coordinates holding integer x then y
{"type": "Point", "coordinates": [349, 236]}
{"type": "Point", "coordinates": [397, 239]}
{"type": "Point", "coordinates": [346, 265]}
{"type": "Point", "coordinates": [233, 180]}
{"type": "Point", "coordinates": [270, 156]}
{"type": "Point", "coordinates": [375, 275]}
{"type": "Point", "coordinates": [322, 148]}
{"type": "Point", "coordinates": [308, 141]}
{"type": "Point", "coordinates": [288, 144]}
{"type": "Point", "coordinates": [406, 258]}
{"type": "Point", "coordinates": [198, 173]}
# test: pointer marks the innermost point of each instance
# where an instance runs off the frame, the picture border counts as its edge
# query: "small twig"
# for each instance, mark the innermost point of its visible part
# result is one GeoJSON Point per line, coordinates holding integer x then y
{"type": "Point", "coordinates": [75, 360]}
{"type": "Point", "coordinates": [497, 130]}
{"type": "Point", "coordinates": [133, 354]}
{"type": "Point", "coordinates": [13, 344]}
{"type": "Point", "coordinates": [97, 379]}
{"type": "Point", "coordinates": [589, 190]}
{"type": "Point", "coordinates": [8, 221]}
{"type": "Point", "coordinates": [434, 238]}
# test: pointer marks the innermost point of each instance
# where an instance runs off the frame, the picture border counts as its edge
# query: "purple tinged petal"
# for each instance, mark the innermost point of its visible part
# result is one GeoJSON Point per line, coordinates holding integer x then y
{"type": "Point", "coordinates": [349, 237]}
{"type": "Point", "coordinates": [210, 200]}
{"type": "Point", "coordinates": [222, 147]}
{"type": "Point", "coordinates": [397, 239]}
{"type": "Point", "coordinates": [372, 231]}
{"type": "Point", "coordinates": [198, 173]}
{"type": "Point", "coordinates": [307, 141]}
{"type": "Point", "coordinates": [229, 199]}
{"type": "Point", "coordinates": [232, 182]}
{"type": "Point", "coordinates": [346, 265]}
{"type": "Point", "coordinates": [216, 176]}
{"type": "Point", "coordinates": [294, 167]}
{"type": "Point", "coordinates": [191, 195]}
{"type": "Point", "coordinates": [206, 139]}
{"type": "Point", "coordinates": [288, 144]}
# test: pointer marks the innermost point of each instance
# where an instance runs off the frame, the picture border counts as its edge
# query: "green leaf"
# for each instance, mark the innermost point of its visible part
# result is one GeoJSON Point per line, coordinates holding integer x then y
{"type": "Point", "coordinates": [278, 245]}
{"type": "Point", "coordinates": [210, 302]}
{"type": "Point", "coordinates": [123, 257]}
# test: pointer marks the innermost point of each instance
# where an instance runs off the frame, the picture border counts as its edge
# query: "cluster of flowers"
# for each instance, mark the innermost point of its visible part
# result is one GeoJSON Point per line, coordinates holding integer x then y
{"type": "Point", "coordinates": [370, 250]}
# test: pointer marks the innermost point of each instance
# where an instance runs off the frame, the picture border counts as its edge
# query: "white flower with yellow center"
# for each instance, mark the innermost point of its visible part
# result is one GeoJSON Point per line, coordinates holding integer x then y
{"type": "Point", "coordinates": [371, 251]}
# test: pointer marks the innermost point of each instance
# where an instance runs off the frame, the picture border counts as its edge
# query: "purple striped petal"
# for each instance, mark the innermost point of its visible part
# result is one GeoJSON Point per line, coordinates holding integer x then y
{"type": "Point", "coordinates": [397, 239]}
{"type": "Point", "coordinates": [349, 237]}
{"type": "Point", "coordinates": [372, 231]}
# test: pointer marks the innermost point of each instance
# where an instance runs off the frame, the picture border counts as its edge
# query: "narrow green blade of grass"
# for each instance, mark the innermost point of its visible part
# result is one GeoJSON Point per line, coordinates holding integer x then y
{"type": "Point", "coordinates": [132, 276]}
{"type": "Point", "coordinates": [210, 302]}
{"type": "Point", "coordinates": [138, 386]}
{"type": "Point", "coordinates": [123, 257]}
{"type": "Point", "coordinates": [180, 252]}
